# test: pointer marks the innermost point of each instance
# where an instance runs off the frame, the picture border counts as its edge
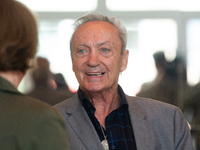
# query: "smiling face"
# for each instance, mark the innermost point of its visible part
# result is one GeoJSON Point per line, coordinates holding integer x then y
{"type": "Point", "coordinates": [96, 56]}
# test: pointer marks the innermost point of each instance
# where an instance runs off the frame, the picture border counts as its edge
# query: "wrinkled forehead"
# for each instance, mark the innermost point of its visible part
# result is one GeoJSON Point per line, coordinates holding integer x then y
{"type": "Point", "coordinates": [96, 26]}
{"type": "Point", "coordinates": [96, 30]}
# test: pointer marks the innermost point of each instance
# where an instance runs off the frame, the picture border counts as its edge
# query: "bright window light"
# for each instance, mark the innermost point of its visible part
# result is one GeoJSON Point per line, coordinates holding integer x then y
{"type": "Point", "coordinates": [158, 34]}
{"type": "Point", "coordinates": [193, 51]}
{"type": "Point", "coordinates": [137, 5]}
{"type": "Point", "coordinates": [61, 5]}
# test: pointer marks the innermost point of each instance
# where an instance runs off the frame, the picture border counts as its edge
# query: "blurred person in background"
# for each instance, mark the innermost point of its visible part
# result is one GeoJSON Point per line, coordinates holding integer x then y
{"type": "Point", "coordinates": [62, 86]}
{"type": "Point", "coordinates": [25, 123]}
{"type": "Point", "coordinates": [157, 88]}
{"type": "Point", "coordinates": [48, 87]}
{"type": "Point", "coordinates": [100, 115]}
{"type": "Point", "coordinates": [170, 84]}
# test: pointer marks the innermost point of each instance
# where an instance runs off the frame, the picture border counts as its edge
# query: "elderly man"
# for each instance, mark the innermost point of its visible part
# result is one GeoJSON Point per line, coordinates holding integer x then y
{"type": "Point", "coordinates": [100, 116]}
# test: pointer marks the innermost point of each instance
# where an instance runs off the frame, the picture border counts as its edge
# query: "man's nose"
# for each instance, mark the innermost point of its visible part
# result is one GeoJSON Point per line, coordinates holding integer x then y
{"type": "Point", "coordinates": [93, 59]}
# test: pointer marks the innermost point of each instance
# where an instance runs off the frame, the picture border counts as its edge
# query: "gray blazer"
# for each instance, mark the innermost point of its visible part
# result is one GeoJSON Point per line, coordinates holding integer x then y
{"type": "Point", "coordinates": [156, 125]}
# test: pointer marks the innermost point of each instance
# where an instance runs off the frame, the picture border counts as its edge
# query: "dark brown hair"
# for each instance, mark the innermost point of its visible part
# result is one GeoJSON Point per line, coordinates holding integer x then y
{"type": "Point", "coordinates": [18, 36]}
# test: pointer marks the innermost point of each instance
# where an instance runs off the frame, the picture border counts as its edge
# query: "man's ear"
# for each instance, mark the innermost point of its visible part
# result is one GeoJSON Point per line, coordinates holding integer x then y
{"type": "Point", "coordinates": [124, 60]}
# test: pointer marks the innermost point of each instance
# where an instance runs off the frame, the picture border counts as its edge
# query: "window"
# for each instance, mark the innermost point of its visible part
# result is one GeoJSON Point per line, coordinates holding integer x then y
{"type": "Point", "coordinates": [193, 51]}
{"type": "Point", "coordinates": [183, 5]}
{"type": "Point", "coordinates": [60, 5]}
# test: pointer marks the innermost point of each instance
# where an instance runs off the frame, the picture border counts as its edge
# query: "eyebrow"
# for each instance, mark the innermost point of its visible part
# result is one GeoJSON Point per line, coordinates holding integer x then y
{"type": "Point", "coordinates": [84, 45]}
{"type": "Point", "coordinates": [103, 43]}
{"type": "Point", "coordinates": [98, 44]}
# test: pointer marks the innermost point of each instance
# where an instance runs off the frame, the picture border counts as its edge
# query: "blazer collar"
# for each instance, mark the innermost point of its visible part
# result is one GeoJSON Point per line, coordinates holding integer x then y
{"type": "Point", "coordinates": [142, 127]}
{"type": "Point", "coordinates": [81, 124]}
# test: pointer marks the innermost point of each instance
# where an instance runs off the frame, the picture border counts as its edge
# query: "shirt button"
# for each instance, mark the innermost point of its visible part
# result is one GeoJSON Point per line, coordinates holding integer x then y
{"type": "Point", "coordinates": [113, 147]}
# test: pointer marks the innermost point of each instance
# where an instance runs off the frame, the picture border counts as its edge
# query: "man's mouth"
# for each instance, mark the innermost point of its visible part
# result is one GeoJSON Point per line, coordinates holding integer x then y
{"type": "Point", "coordinates": [95, 74]}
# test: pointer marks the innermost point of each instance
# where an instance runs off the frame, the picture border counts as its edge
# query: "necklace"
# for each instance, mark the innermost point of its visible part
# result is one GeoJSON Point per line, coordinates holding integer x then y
{"type": "Point", "coordinates": [104, 142]}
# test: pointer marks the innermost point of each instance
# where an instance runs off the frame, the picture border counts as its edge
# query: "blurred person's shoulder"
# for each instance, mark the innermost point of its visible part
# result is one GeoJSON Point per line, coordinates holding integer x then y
{"type": "Point", "coordinates": [40, 107]}
{"type": "Point", "coordinates": [27, 116]}
{"type": "Point", "coordinates": [28, 107]}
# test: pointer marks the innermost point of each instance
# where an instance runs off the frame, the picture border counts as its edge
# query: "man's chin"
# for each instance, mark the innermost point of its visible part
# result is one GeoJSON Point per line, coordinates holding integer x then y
{"type": "Point", "coordinates": [94, 88]}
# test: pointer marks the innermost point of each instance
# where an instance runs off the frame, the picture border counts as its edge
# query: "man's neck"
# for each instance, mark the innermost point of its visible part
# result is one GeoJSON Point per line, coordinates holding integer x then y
{"type": "Point", "coordinates": [103, 109]}
{"type": "Point", "coordinates": [14, 77]}
{"type": "Point", "coordinates": [104, 104]}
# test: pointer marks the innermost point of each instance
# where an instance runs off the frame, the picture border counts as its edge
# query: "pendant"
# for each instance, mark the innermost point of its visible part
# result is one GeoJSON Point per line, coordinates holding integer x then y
{"type": "Point", "coordinates": [105, 144]}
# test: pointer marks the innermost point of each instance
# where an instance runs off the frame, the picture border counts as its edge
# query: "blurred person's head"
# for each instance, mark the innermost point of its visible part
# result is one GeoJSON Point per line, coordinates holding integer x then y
{"type": "Point", "coordinates": [18, 36]}
{"type": "Point", "coordinates": [160, 61]}
{"type": "Point", "coordinates": [42, 77]}
{"type": "Point", "coordinates": [122, 32]}
{"type": "Point", "coordinates": [43, 62]}
{"type": "Point", "coordinates": [60, 81]}
{"type": "Point", "coordinates": [177, 69]}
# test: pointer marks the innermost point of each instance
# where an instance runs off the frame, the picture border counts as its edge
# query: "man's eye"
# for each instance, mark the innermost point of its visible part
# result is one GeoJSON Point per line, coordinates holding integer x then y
{"type": "Point", "coordinates": [81, 51]}
{"type": "Point", "coordinates": [105, 50]}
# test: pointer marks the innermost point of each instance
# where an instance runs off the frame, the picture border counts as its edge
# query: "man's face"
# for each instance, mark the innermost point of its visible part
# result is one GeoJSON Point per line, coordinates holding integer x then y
{"type": "Point", "coordinates": [96, 56]}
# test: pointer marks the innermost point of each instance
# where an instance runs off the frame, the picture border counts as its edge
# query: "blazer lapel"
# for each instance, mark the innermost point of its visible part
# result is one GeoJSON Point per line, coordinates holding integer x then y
{"type": "Point", "coordinates": [81, 124]}
{"type": "Point", "coordinates": [142, 128]}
